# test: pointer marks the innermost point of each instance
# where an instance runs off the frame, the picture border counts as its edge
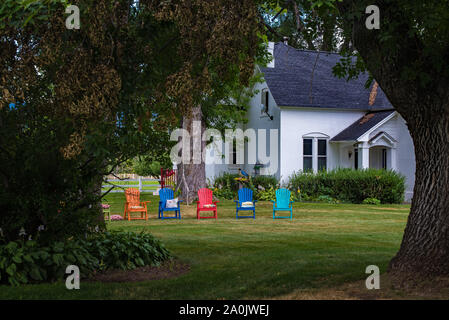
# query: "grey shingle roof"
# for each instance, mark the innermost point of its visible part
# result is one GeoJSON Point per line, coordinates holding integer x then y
{"type": "Point", "coordinates": [361, 126]}
{"type": "Point", "coordinates": [290, 80]}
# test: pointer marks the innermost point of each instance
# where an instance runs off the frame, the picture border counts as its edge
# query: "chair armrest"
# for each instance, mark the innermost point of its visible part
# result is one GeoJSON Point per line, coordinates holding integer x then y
{"type": "Point", "coordinates": [272, 201]}
{"type": "Point", "coordinates": [292, 202]}
{"type": "Point", "coordinates": [255, 201]}
{"type": "Point", "coordinates": [145, 203]}
{"type": "Point", "coordinates": [236, 201]}
{"type": "Point", "coordinates": [179, 201]}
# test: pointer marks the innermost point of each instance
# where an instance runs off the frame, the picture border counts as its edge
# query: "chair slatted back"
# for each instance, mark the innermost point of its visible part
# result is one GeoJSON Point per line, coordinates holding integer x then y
{"type": "Point", "coordinates": [132, 197]}
{"type": "Point", "coordinates": [166, 194]}
{"type": "Point", "coordinates": [282, 198]}
{"type": "Point", "coordinates": [205, 196]}
{"type": "Point", "coordinates": [245, 194]}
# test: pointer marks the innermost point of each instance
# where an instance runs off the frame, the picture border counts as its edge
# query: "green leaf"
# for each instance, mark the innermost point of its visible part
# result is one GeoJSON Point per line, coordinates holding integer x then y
{"type": "Point", "coordinates": [11, 270]}
{"type": "Point", "coordinates": [17, 258]}
{"type": "Point", "coordinates": [58, 258]}
{"type": "Point", "coordinates": [36, 274]}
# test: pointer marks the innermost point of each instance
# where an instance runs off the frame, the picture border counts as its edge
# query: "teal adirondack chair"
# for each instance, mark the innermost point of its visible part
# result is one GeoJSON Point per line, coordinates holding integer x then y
{"type": "Point", "coordinates": [283, 203]}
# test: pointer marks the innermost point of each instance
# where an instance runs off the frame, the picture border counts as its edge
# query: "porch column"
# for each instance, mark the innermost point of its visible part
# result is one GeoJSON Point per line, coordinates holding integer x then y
{"type": "Point", "coordinates": [393, 160]}
{"type": "Point", "coordinates": [365, 156]}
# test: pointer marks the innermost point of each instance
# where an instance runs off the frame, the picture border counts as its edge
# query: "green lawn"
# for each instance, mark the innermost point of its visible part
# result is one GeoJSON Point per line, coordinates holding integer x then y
{"type": "Point", "coordinates": [324, 246]}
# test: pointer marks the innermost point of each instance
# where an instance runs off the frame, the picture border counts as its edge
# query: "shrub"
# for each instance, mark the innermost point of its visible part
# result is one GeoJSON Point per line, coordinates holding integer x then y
{"type": "Point", "coordinates": [227, 181]}
{"type": "Point", "coordinates": [266, 195]}
{"type": "Point", "coordinates": [29, 261]}
{"type": "Point", "coordinates": [371, 201]}
{"type": "Point", "coordinates": [24, 262]}
{"type": "Point", "coordinates": [224, 193]}
{"type": "Point", "coordinates": [127, 250]}
{"type": "Point", "coordinates": [264, 182]}
{"type": "Point", "coordinates": [352, 186]}
{"type": "Point", "coordinates": [226, 187]}
{"type": "Point", "coordinates": [327, 199]}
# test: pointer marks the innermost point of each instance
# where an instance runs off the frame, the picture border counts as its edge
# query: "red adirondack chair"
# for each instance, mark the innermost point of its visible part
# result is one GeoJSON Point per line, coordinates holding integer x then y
{"type": "Point", "coordinates": [133, 204]}
{"type": "Point", "coordinates": [206, 203]}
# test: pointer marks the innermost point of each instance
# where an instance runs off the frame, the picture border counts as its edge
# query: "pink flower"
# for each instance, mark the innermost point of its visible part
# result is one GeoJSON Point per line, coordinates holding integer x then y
{"type": "Point", "coordinates": [116, 217]}
{"type": "Point", "coordinates": [105, 206]}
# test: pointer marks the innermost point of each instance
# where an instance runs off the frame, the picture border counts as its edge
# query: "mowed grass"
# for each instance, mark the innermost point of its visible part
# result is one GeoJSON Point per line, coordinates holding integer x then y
{"type": "Point", "coordinates": [325, 245]}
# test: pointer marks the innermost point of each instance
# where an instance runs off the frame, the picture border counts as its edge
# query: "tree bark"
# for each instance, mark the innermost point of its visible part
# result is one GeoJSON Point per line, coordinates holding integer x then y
{"type": "Point", "coordinates": [424, 250]}
{"type": "Point", "coordinates": [192, 175]}
{"type": "Point", "coordinates": [425, 245]}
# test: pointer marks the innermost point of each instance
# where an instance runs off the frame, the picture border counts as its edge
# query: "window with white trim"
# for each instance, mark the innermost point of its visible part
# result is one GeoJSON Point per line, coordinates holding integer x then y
{"type": "Point", "coordinates": [322, 154]}
{"type": "Point", "coordinates": [314, 151]}
{"type": "Point", "coordinates": [307, 155]}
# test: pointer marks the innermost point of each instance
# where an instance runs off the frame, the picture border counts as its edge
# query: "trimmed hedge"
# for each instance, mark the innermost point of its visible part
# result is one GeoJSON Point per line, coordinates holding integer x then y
{"type": "Point", "coordinates": [349, 185]}
{"type": "Point", "coordinates": [226, 187]}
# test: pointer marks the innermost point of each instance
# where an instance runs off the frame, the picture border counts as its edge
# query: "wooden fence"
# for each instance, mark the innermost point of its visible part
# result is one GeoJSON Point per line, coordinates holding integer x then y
{"type": "Point", "coordinates": [121, 184]}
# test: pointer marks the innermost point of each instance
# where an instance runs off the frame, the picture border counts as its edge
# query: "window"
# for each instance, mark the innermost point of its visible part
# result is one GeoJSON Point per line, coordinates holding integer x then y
{"type": "Point", "coordinates": [356, 159]}
{"type": "Point", "coordinates": [384, 159]}
{"type": "Point", "coordinates": [315, 151]}
{"type": "Point", "coordinates": [234, 152]}
{"type": "Point", "coordinates": [265, 99]}
{"type": "Point", "coordinates": [307, 154]}
{"type": "Point", "coordinates": [322, 154]}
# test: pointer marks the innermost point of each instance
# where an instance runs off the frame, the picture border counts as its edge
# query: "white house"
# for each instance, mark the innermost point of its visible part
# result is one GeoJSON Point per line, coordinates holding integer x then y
{"type": "Point", "coordinates": [321, 122]}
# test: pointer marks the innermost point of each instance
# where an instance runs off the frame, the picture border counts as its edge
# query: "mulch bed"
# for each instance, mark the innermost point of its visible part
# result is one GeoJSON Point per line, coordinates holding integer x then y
{"type": "Point", "coordinates": [169, 269]}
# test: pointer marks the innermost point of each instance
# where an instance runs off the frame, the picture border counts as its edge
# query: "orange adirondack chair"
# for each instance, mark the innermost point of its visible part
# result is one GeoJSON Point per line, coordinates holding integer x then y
{"type": "Point", "coordinates": [206, 203]}
{"type": "Point", "coordinates": [133, 204]}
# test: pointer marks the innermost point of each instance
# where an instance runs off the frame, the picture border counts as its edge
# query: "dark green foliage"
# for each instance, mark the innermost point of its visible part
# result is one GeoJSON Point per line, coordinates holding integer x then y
{"type": "Point", "coordinates": [266, 195]}
{"type": "Point", "coordinates": [24, 262]}
{"type": "Point", "coordinates": [371, 201]}
{"type": "Point", "coordinates": [348, 185]}
{"type": "Point", "coordinates": [127, 250]}
{"type": "Point", "coordinates": [29, 261]}
{"type": "Point", "coordinates": [263, 184]}
{"type": "Point", "coordinates": [226, 187]}
{"type": "Point", "coordinates": [38, 185]}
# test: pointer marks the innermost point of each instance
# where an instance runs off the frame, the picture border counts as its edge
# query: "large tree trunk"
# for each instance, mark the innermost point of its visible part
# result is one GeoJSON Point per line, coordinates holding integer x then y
{"type": "Point", "coordinates": [425, 245]}
{"type": "Point", "coordinates": [424, 250]}
{"type": "Point", "coordinates": [192, 175]}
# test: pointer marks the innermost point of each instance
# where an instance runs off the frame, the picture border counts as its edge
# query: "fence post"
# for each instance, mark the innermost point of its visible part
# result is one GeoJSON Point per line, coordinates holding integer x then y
{"type": "Point", "coordinates": [140, 184]}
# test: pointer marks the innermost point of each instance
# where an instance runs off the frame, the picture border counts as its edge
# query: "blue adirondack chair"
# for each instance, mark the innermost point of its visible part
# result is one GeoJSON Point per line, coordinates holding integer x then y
{"type": "Point", "coordinates": [283, 203]}
{"type": "Point", "coordinates": [164, 195]}
{"type": "Point", "coordinates": [245, 195]}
